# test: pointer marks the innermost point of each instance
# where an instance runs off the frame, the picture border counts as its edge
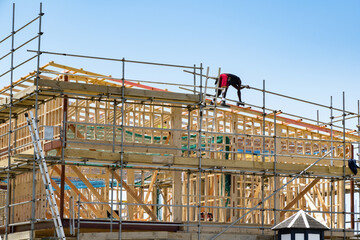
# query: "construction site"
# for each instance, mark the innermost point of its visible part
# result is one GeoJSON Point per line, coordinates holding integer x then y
{"type": "Point", "coordinates": [85, 155]}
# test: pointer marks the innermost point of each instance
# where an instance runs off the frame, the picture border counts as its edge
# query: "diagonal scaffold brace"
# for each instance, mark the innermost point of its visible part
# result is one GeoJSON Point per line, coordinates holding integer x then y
{"type": "Point", "coordinates": [271, 195]}
{"type": "Point", "coordinates": [40, 160]}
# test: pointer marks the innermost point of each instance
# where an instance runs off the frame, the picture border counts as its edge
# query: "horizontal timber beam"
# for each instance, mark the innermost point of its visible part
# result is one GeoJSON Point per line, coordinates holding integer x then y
{"type": "Point", "coordinates": [83, 88]}
{"type": "Point", "coordinates": [284, 168]}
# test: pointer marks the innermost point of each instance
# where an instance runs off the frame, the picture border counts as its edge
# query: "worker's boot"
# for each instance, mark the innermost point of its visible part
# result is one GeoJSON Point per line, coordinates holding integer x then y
{"type": "Point", "coordinates": [240, 104]}
{"type": "Point", "coordinates": [223, 103]}
{"type": "Point", "coordinates": [212, 103]}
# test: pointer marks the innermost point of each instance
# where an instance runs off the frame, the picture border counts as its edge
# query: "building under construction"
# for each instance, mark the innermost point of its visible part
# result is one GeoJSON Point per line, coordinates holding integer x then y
{"type": "Point", "coordinates": [127, 160]}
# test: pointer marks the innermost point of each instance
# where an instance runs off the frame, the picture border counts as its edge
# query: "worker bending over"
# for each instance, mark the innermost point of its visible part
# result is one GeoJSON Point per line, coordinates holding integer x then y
{"type": "Point", "coordinates": [223, 82]}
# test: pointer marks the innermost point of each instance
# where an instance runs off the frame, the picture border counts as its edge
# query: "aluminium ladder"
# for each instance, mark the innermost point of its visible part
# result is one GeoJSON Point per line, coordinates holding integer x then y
{"type": "Point", "coordinates": [40, 160]}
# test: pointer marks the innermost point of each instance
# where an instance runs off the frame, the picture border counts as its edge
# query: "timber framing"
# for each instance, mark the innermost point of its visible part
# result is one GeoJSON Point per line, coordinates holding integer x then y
{"type": "Point", "coordinates": [128, 151]}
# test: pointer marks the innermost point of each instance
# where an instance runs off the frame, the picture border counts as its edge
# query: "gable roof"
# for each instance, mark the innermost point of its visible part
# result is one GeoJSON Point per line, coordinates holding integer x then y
{"type": "Point", "coordinates": [301, 220]}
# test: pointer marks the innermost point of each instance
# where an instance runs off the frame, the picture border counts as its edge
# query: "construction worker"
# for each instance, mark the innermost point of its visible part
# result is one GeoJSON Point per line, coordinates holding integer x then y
{"type": "Point", "coordinates": [226, 80]}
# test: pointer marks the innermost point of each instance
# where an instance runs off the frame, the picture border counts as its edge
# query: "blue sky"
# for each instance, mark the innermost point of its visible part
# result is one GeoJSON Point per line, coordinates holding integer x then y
{"type": "Point", "coordinates": [306, 49]}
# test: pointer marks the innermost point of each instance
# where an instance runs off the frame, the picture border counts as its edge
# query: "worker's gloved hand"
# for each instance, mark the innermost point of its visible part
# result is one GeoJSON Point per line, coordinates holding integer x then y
{"type": "Point", "coordinates": [247, 86]}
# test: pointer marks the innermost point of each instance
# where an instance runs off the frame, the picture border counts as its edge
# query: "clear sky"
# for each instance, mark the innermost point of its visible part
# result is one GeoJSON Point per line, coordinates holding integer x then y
{"type": "Point", "coordinates": [306, 49]}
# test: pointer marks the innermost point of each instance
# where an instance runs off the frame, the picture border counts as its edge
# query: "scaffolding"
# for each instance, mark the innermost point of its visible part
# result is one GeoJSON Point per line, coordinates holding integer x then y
{"type": "Point", "coordinates": [127, 158]}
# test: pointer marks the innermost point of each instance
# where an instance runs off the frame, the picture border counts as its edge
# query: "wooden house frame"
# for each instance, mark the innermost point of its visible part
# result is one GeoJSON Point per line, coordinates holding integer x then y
{"type": "Point", "coordinates": [150, 155]}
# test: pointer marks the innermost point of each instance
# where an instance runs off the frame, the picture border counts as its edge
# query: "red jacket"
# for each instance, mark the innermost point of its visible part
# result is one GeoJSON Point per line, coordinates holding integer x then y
{"type": "Point", "coordinates": [223, 80]}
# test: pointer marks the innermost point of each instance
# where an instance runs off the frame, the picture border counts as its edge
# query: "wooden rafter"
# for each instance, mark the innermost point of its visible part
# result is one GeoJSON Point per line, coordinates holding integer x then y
{"type": "Point", "coordinates": [57, 192]}
{"type": "Point", "coordinates": [300, 195]}
{"type": "Point", "coordinates": [82, 197]}
{"type": "Point", "coordinates": [151, 185]}
{"type": "Point", "coordinates": [92, 189]}
{"type": "Point", "coordinates": [323, 204]}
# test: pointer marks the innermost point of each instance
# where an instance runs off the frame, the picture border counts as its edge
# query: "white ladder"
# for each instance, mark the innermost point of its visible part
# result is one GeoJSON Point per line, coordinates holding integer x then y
{"type": "Point", "coordinates": [40, 160]}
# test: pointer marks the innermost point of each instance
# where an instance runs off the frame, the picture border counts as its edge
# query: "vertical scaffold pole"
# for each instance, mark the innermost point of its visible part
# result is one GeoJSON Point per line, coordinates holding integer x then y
{"type": "Point", "coordinates": [206, 84]}
{"type": "Point", "coordinates": [78, 218]}
{"type": "Point", "coordinates": [34, 182]}
{"type": "Point", "coordinates": [199, 150]}
{"type": "Point", "coordinates": [13, 191]}
{"type": "Point", "coordinates": [33, 220]}
{"type": "Point", "coordinates": [63, 144]}
{"type": "Point", "coordinates": [12, 201]}
{"type": "Point", "coordinates": [263, 159]}
{"type": "Point", "coordinates": [114, 127]}
{"type": "Point", "coordinates": [358, 154]}
{"type": "Point", "coordinates": [331, 130]}
{"type": "Point", "coordinates": [216, 92]}
{"type": "Point", "coordinates": [331, 163]}
{"type": "Point", "coordinates": [317, 119]}
{"type": "Point", "coordinates": [188, 154]}
{"type": "Point", "coordinates": [344, 166]}
{"type": "Point", "coordinates": [188, 202]}
{"type": "Point", "coordinates": [275, 174]}
{"type": "Point", "coordinates": [122, 143]}
{"type": "Point", "coordinates": [188, 132]}
{"type": "Point", "coordinates": [112, 200]}
{"type": "Point", "coordinates": [112, 171]}
{"type": "Point", "coordinates": [194, 78]}
{"type": "Point", "coordinates": [358, 128]}
{"type": "Point", "coordinates": [12, 210]}
{"type": "Point", "coordinates": [189, 113]}
{"type": "Point", "coordinates": [7, 209]}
